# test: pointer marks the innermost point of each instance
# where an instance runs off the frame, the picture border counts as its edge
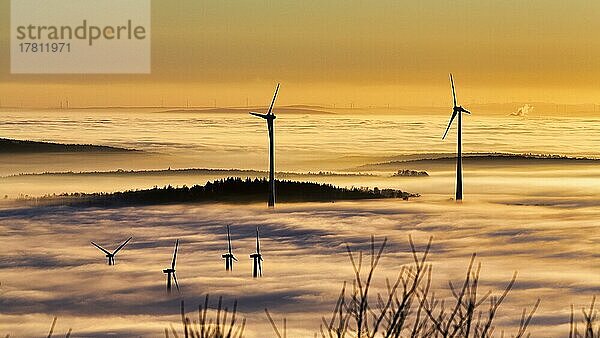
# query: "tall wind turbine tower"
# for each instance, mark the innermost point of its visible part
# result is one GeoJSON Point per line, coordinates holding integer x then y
{"type": "Point", "coordinates": [457, 111]}
{"type": "Point", "coordinates": [229, 257]}
{"type": "Point", "coordinates": [257, 259]}
{"type": "Point", "coordinates": [170, 272]}
{"type": "Point", "coordinates": [270, 118]}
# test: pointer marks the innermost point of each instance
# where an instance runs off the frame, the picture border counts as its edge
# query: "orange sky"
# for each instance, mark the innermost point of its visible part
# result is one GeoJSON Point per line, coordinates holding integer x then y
{"type": "Point", "coordinates": [342, 52]}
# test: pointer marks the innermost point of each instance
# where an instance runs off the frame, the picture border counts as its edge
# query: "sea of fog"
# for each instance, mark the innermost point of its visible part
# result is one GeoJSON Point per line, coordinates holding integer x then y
{"type": "Point", "coordinates": [303, 141]}
{"type": "Point", "coordinates": [539, 220]}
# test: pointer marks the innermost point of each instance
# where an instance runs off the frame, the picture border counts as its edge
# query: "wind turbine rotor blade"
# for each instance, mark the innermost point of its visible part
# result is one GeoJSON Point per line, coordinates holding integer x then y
{"type": "Point", "coordinates": [466, 111]}
{"type": "Point", "coordinates": [122, 245]}
{"type": "Point", "coordinates": [175, 280]}
{"type": "Point", "coordinates": [228, 239]}
{"type": "Point", "coordinates": [453, 92]}
{"type": "Point", "coordinates": [264, 116]}
{"type": "Point", "coordinates": [175, 254]}
{"type": "Point", "coordinates": [449, 124]}
{"type": "Point", "coordinates": [260, 267]}
{"type": "Point", "coordinates": [273, 102]}
{"type": "Point", "coordinates": [235, 259]}
{"type": "Point", "coordinates": [101, 248]}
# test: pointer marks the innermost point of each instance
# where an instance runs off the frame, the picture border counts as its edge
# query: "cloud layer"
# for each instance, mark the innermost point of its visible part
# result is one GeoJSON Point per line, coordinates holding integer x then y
{"type": "Point", "coordinates": [49, 268]}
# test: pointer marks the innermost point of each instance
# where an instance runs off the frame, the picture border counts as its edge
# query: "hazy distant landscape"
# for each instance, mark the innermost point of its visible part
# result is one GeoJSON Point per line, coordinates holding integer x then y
{"type": "Point", "coordinates": [10, 146]}
{"type": "Point", "coordinates": [535, 214]}
{"type": "Point", "coordinates": [296, 109]}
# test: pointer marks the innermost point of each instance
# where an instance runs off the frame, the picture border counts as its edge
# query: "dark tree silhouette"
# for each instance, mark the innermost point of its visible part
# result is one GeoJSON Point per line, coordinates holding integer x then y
{"type": "Point", "coordinates": [232, 189]}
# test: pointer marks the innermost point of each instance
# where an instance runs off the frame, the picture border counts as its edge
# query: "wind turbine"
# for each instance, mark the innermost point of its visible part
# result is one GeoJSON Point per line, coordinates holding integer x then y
{"type": "Point", "coordinates": [111, 255]}
{"type": "Point", "coordinates": [257, 259]}
{"type": "Point", "coordinates": [270, 117]}
{"type": "Point", "coordinates": [457, 111]}
{"type": "Point", "coordinates": [229, 257]}
{"type": "Point", "coordinates": [171, 271]}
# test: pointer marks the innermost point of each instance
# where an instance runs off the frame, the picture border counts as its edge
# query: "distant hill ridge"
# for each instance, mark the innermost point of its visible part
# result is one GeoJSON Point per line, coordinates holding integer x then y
{"type": "Point", "coordinates": [11, 146]}
{"type": "Point", "coordinates": [304, 110]}
{"type": "Point", "coordinates": [441, 156]}
{"type": "Point", "coordinates": [477, 158]}
{"type": "Point", "coordinates": [187, 171]}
